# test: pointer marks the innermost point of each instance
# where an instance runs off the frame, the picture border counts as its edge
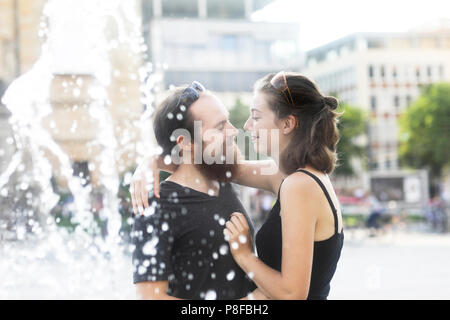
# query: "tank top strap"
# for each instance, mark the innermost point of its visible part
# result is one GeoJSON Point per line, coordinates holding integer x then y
{"type": "Point", "coordinates": [333, 208]}
{"type": "Point", "coordinates": [279, 189]}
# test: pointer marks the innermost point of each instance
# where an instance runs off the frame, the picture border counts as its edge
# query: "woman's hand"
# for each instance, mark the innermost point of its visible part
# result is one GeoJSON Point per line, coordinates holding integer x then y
{"type": "Point", "coordinates": [237, 233]}
{"type": "Point", "coordinates": [146, 174]}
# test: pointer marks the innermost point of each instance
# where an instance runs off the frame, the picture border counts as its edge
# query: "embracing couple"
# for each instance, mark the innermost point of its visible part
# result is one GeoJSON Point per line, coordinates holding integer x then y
{"type": "Point", "coordinates": [192, 236]}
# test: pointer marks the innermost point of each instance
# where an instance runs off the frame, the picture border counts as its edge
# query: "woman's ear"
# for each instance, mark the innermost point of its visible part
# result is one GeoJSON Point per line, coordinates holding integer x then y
{"type": "Point", "coordinates": [289, 124]}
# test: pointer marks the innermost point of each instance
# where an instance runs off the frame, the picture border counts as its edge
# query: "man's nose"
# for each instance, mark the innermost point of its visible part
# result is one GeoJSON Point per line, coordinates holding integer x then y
{"type": "Point", "coordinates": [247, 124]}
{"type": "Point", "coordinates": [232, 130]}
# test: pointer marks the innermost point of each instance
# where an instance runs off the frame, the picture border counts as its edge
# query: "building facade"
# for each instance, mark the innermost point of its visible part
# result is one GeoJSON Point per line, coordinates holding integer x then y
{"type": "Point", "coordinates": [382, 73]}
{"type": "Point", "coordinates": [216, 43]}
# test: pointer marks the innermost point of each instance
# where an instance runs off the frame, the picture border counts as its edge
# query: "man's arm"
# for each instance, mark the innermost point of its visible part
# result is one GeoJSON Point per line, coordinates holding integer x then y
{"type": "Point", "coordinates": [153, 290]}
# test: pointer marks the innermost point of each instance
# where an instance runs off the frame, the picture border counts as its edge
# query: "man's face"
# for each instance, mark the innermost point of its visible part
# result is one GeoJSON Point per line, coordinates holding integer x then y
{"type": "Point", "coordinates": [218, 137]}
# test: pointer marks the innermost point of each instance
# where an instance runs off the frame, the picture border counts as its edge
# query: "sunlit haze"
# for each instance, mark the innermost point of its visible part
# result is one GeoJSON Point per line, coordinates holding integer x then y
{"type": "Point", "coordinates": [322, 21]}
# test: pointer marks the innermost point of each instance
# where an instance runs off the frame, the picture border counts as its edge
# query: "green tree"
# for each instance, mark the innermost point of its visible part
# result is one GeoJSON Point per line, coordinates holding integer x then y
{"type": "Point", "coordinates": [239, 114]}
{"type": "Point", "coordinates": [425, 131]}
{"type": "Point", "coordinates": [352, 125]}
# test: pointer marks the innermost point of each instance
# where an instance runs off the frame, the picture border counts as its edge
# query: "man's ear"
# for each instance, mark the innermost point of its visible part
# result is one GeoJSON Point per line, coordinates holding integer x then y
{"type": "Point", "coordinates": [184, 143]}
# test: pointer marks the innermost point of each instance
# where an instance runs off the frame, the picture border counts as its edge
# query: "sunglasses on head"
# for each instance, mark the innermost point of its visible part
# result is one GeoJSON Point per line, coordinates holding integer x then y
{"type": "Point", "coordinates": [191, 93]}
{"type": "Point", "coordinates": [279, 82]}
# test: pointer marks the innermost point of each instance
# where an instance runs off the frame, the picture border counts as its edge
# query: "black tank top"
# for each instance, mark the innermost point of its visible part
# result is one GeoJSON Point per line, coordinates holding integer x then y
{"type": "Point", "coordinates": [326, 252]}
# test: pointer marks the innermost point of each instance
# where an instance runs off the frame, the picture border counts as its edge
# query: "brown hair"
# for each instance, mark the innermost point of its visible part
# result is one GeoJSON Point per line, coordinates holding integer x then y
{"type": "Point", "coordinates": [167, 119]}
{"type": "Point", "coordinates": [314, 140]}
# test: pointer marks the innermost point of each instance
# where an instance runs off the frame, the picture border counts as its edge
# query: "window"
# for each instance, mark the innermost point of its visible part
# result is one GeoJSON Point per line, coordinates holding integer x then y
{"type": "Point", "coordinates": [388, 164]}
{"type": "Point", "coordinates": [373, 103]}
{"type": "Point", "coordinates": [382, 71]}
{"type": "Point", "coordinates": [230, 9]}
{"type": "Point", "coordinates": [441, 70]}
{"type": "Point", "coordinates": [182, 9]}
{"type": "Point", "coordinates": [228, 42]}
{"type": "Point", "coordinates": [394, 72]}
{"type": "Point", "coordinates": [418, 72]}
{"type": "Point", "coordinates": [371, 71]}
{"type": "Point", "coordinates": [396, 101]}
{"type": "Point", "coordinates": [429, 71]}
{"type": "Point", "coordinates": [408, 100]}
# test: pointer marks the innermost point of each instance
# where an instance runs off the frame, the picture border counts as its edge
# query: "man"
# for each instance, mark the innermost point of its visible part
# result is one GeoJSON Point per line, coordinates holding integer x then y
{"type": "Point", "coordinates": [180, 250]}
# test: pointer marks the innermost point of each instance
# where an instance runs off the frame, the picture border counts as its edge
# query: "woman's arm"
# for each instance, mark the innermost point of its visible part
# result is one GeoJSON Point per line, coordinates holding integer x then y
{"type": "Point", "coordinates": [146, 177]}
{"type": "Point", "coordinates": [299, 200]}
{"type": "Point", "coordinates": [256, 295]}
{"type": "Point", "coordinates": [260, 174]}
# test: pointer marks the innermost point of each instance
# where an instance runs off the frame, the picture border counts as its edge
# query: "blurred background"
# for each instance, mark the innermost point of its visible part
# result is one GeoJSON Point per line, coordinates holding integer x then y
{"type": "Point", "coordinates": [79, 81]}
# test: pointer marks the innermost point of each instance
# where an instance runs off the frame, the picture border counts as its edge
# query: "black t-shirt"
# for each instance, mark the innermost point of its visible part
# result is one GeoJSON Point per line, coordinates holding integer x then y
{"type": "Point", "coordinates": [181, 240]}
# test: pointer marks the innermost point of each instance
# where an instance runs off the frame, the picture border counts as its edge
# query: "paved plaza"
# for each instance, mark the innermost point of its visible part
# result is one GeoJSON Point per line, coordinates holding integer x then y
{"type": "Point", "coordinates": [400, 264]}
{"type": "Point", "coordinates": [397, 265]}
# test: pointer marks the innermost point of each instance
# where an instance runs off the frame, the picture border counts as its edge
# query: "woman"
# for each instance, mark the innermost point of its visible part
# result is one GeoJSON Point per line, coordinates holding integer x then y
{"type": "Point", "coordinates": [299, 244]}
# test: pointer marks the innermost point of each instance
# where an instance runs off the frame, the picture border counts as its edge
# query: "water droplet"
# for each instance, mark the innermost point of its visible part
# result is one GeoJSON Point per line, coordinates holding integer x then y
{"type": "Point", "coordinates": [242, 238]}
{"type": "Point", "coordinates": [165, 226]}
{"type": "Point", "coordinates": [230, 275]}
{"type": "Point", "coordinates": [179, 116]}
{"type": "Point", "coordinates": [222, 221]}
{"type": "Point", "coordinates": [215, 256]}
{"type": "Point", "coordinates": [170, 115]}
{"type": "Point", "coordinates": [167, 160]}
{"type": "Point", "coordinates": [149, 247]}
{"type": "Point", "coordinates": [149, 229]}
{"type": "Point", "coordinates": [76, 92]}
{"type": "Point", "coordinates": [211, 295]}
{"type": "Point", "coordinates": [228, 174]}
{"type": "Point", "coordinates": [223, 249]}
{"type": "Point", "coordinates": [149, 211]}
{"type": "Point", "coordinates": [234, 245]}
{"type": "Point", "coordinates": [142, 270]}
{"type": "Point", "coordinates": [183, 108]}
{"type": "Point", "coordinates": [211, 192]}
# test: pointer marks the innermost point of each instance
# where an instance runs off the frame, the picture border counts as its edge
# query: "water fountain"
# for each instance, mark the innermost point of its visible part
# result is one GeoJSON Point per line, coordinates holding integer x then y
{"type": "Point", "coordinates": [68, 88]}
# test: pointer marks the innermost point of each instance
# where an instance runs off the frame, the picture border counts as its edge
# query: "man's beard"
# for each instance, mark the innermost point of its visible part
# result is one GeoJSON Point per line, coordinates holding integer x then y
{"type": "Point", "coordinates": [222, 172]}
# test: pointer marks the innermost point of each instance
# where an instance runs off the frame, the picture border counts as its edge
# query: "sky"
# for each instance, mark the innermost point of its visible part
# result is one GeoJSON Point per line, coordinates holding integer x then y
{"type": "Point", "coordinates": [322, 21]}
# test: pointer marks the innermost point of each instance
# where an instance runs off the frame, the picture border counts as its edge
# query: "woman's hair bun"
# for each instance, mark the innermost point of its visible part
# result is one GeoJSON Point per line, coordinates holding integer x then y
{"type": "Point", "coordinates": [331, 102]}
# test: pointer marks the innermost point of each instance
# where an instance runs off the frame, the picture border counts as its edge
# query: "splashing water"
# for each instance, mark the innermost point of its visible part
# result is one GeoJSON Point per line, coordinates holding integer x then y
{"type": "Point", "coordinates": [39, 258]}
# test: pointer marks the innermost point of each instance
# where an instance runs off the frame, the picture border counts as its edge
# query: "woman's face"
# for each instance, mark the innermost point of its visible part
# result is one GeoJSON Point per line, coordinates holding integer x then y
{"type": "Point", "coordinates": [263, 125]}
